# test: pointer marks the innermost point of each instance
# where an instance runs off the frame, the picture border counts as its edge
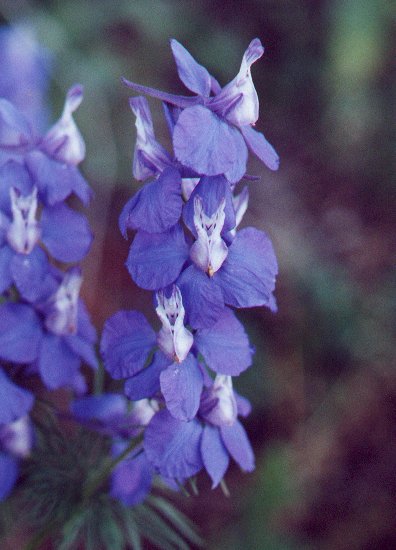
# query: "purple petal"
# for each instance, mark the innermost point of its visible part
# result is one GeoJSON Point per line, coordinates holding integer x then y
{"type": "Point", "coordinates": [6, 255]}
{"type": "Point", "coordinates": [225, 346]}
{"type": "Point", "coordinates": [260, 147]}
{"type": "Point", "coordinates": [85, 350]}
{"type": "Point", "coordinates": [212, 190]}
{"type": "Point", "coordinates": [85, 328]}
{"type": "Point", "coordinates": [173, 446]}
{"type": "Point", "coordinates": [57, 180]}
{"type": "Point", "coordinates": [193, 75]}
{"type": "Point", "coordinates": [237, 443]}
{"type": "Point", "coordinates": [171, 115]}
{"type": "Point", "coordinates": [8, 474]}
{"type": "Point", "coordinates": [99, 407]}
{"type": "Point", "coordinates": [15, 130]}
{"type": "Point", "coordinates": [155, 260]}
{"type": "Point", "coordinates": [20, 333]}
{"type": "Point", "coordinates": [214, 454]}
{"type": "Point", "coordinates": [131, 479]}
{"type": "Point", "coordinates": [243, 404]}
{"type": "Point", "coordinates": [147, 382]}
{"type": "Point", "coordinates": [126, 343]}
{"type": "Point", "coordinates": [181, 386]}
{"type": "Point", "coordinates": [14, 401]}
{"type": "Point", "coordinates": [208, 145]}
{"type": "Point", "coordinates": [57, 364]}
{"type": "Point", "coordinates": [156, 207]}
{"type": "Point", "coordinates": [202, 297]}
{"type": "Point", "coordinates": [247, 277]}
{"type": "Point", "coordinates": [30, 274]}
{"type": "Point", "coordinates": [13, 174]}
{"type": "Point", "coordinates": [178, 100]}
{"type": "Point", "coordinates": [65, 233]}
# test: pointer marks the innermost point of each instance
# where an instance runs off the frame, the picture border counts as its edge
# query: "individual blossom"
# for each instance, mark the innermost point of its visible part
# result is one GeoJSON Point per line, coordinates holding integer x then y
{"type": "Point", "coordinates": [53, 335]}
{"type": "Point", "coordinates": [179, 450]}
{"type": "Point", "coordinates": [213, 130]}
{"type": "Point", "coordinates": [130, 350]}
{"type": "Point", "coordinates": [64, 233]}
{"type": "Point", "coordinates": [52, 160]}
{"type": "Point", "coordinates": [111, 415]}
{"type": "Point", "coordinates": [213, 267]}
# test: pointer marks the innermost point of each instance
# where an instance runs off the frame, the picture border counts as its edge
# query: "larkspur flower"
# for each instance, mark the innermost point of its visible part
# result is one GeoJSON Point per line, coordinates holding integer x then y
{"type": "Point", "coordinates": [213, 130]}
{"type": "Point", "coordinates": [64, 233]}
{"type": "Point", "coordinates": [128, 343]}
{"type": "Point", "coordinates": [221, 266]}
{"type": "Point", "coordinates": [179, 450]}
{"type": "Point", "coordinates": [52, 160]}
{"type": "Point", "coordinates": [53, 335]}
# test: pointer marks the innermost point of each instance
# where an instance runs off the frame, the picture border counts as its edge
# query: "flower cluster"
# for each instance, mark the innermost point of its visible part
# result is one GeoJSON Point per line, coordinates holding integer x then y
{"type": "Point", "coordinates": [189, 250]}
{"type": "Point", "coordinates": [44, 326]}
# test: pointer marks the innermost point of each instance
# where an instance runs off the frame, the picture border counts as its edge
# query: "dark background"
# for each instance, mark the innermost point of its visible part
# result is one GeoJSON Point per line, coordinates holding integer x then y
{"type": "Point", "coordinates": [323, 384]}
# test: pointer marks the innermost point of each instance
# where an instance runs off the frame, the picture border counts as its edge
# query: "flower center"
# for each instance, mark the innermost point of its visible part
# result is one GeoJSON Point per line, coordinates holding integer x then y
{"type": "Point", "coordinates": [24, 231]}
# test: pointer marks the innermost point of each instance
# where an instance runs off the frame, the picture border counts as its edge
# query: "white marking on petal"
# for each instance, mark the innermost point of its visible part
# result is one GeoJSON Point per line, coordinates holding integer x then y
{"type": "Point", "coordinates": [209, 250]}
{"type": "Point", "coordinates": [173, 338]}
{"type": "Point", "coordinates": [17, 437]}
{"type": "Point", "coordinates": [240, 203]}
{"type": "Point", "coordinates": [188, 186]}
{"type": "Point", "coordinates": [24, 231]}
{"type": "Point", "coordinates": [149, 158]}
{"type": "Point", "coordinates": [144, 410]}
{"type": "Point", "coordinates": [62, 307]}
{"type": "Point", "coordinates": [64, 140]}
{"type": "Point", "coordinates": [221, 402]}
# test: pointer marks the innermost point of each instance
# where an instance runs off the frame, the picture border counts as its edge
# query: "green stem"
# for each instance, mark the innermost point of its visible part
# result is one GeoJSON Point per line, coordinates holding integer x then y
{"type": "Point", "coordinates": [96, 482]}
{"type": "Point", "coordinates": [99, 379]}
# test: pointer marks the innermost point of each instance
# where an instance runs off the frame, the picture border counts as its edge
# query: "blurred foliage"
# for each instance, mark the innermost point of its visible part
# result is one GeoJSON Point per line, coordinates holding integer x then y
{"type": "Point", "coordinates": [327, 89]}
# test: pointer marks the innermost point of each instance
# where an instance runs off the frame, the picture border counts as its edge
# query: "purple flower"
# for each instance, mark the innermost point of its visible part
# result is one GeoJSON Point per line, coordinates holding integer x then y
{"type": "Point", "coordinates": [212, 132]}
{"type": "Point", "coordinates": [128, 343]}
{"type": "Point", "coordinates": [53, 336]}
{"type": "Point", "coordinates": [179, 450]}
{"type": "Point", "coordinates": [64, 233]}
{"type": "Point", "coordinates": [50, 160]}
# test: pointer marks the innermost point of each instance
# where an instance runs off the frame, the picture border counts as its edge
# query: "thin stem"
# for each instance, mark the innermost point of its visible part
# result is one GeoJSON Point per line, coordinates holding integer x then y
{"type": "Point", "coordinates": [99, 379]}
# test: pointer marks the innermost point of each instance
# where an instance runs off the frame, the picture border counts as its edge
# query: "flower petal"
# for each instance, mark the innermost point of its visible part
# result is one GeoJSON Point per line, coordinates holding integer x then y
{"type": "Point", "coordinates": [225, 346]}
{"type": "Point", "coordinates": [85, 350]}
{"type": "Point", "coordinates": [214, 455]}
{"type": "Point", "coordinates": [147, 382]}
{"type": "Point", "coordinates": [261, 147]}
{"type": "Point", "coordinates": [20, 333]}
{"type": "Point", "coordinates": [14, 401]}
{"type": "Point", "coordinates": [30, 273]}
{"type": "Point", "coordinates": [178, 100]}
{"type": "Point", "coordinates": [208, 145]}
{"type": "Point", "coordinates": [202, 297]}
{"type": "Point", "coordinates": [181, 385]}
{"type": "Point", "coordinates": [237, 443]}
{"type": "Point", "coordinates": [156, 207]}
{"type": "Point", "coordinates": [6, 255]}
{"type": "Point", "coordinates": [65, 233]}
{"type": "Point", "coordinates": [156, 259]}
{"type": "Point", "coordinates": [58, 365]}
{"type": "Point", "coordinates": [13, 174]}
{"type": "Point", "coordinates": [126, 343]}
{"type": "Point", "coordinates": [193, 75]}
{"type": "Point", "coordinates": [247, 277]}
{"type": "Point", "coordinates": [8, 474]}
{"type": "Point", "coordinates": [173, 446]}
{"type": "Point", "coordinates": [15, 130]}
{"type": "Point", "coordinates": [131, 478]}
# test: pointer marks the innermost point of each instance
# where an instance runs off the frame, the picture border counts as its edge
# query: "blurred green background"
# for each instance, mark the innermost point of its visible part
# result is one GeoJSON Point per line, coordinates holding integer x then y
{"type": "Point", "coordinates": [323, 385]}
